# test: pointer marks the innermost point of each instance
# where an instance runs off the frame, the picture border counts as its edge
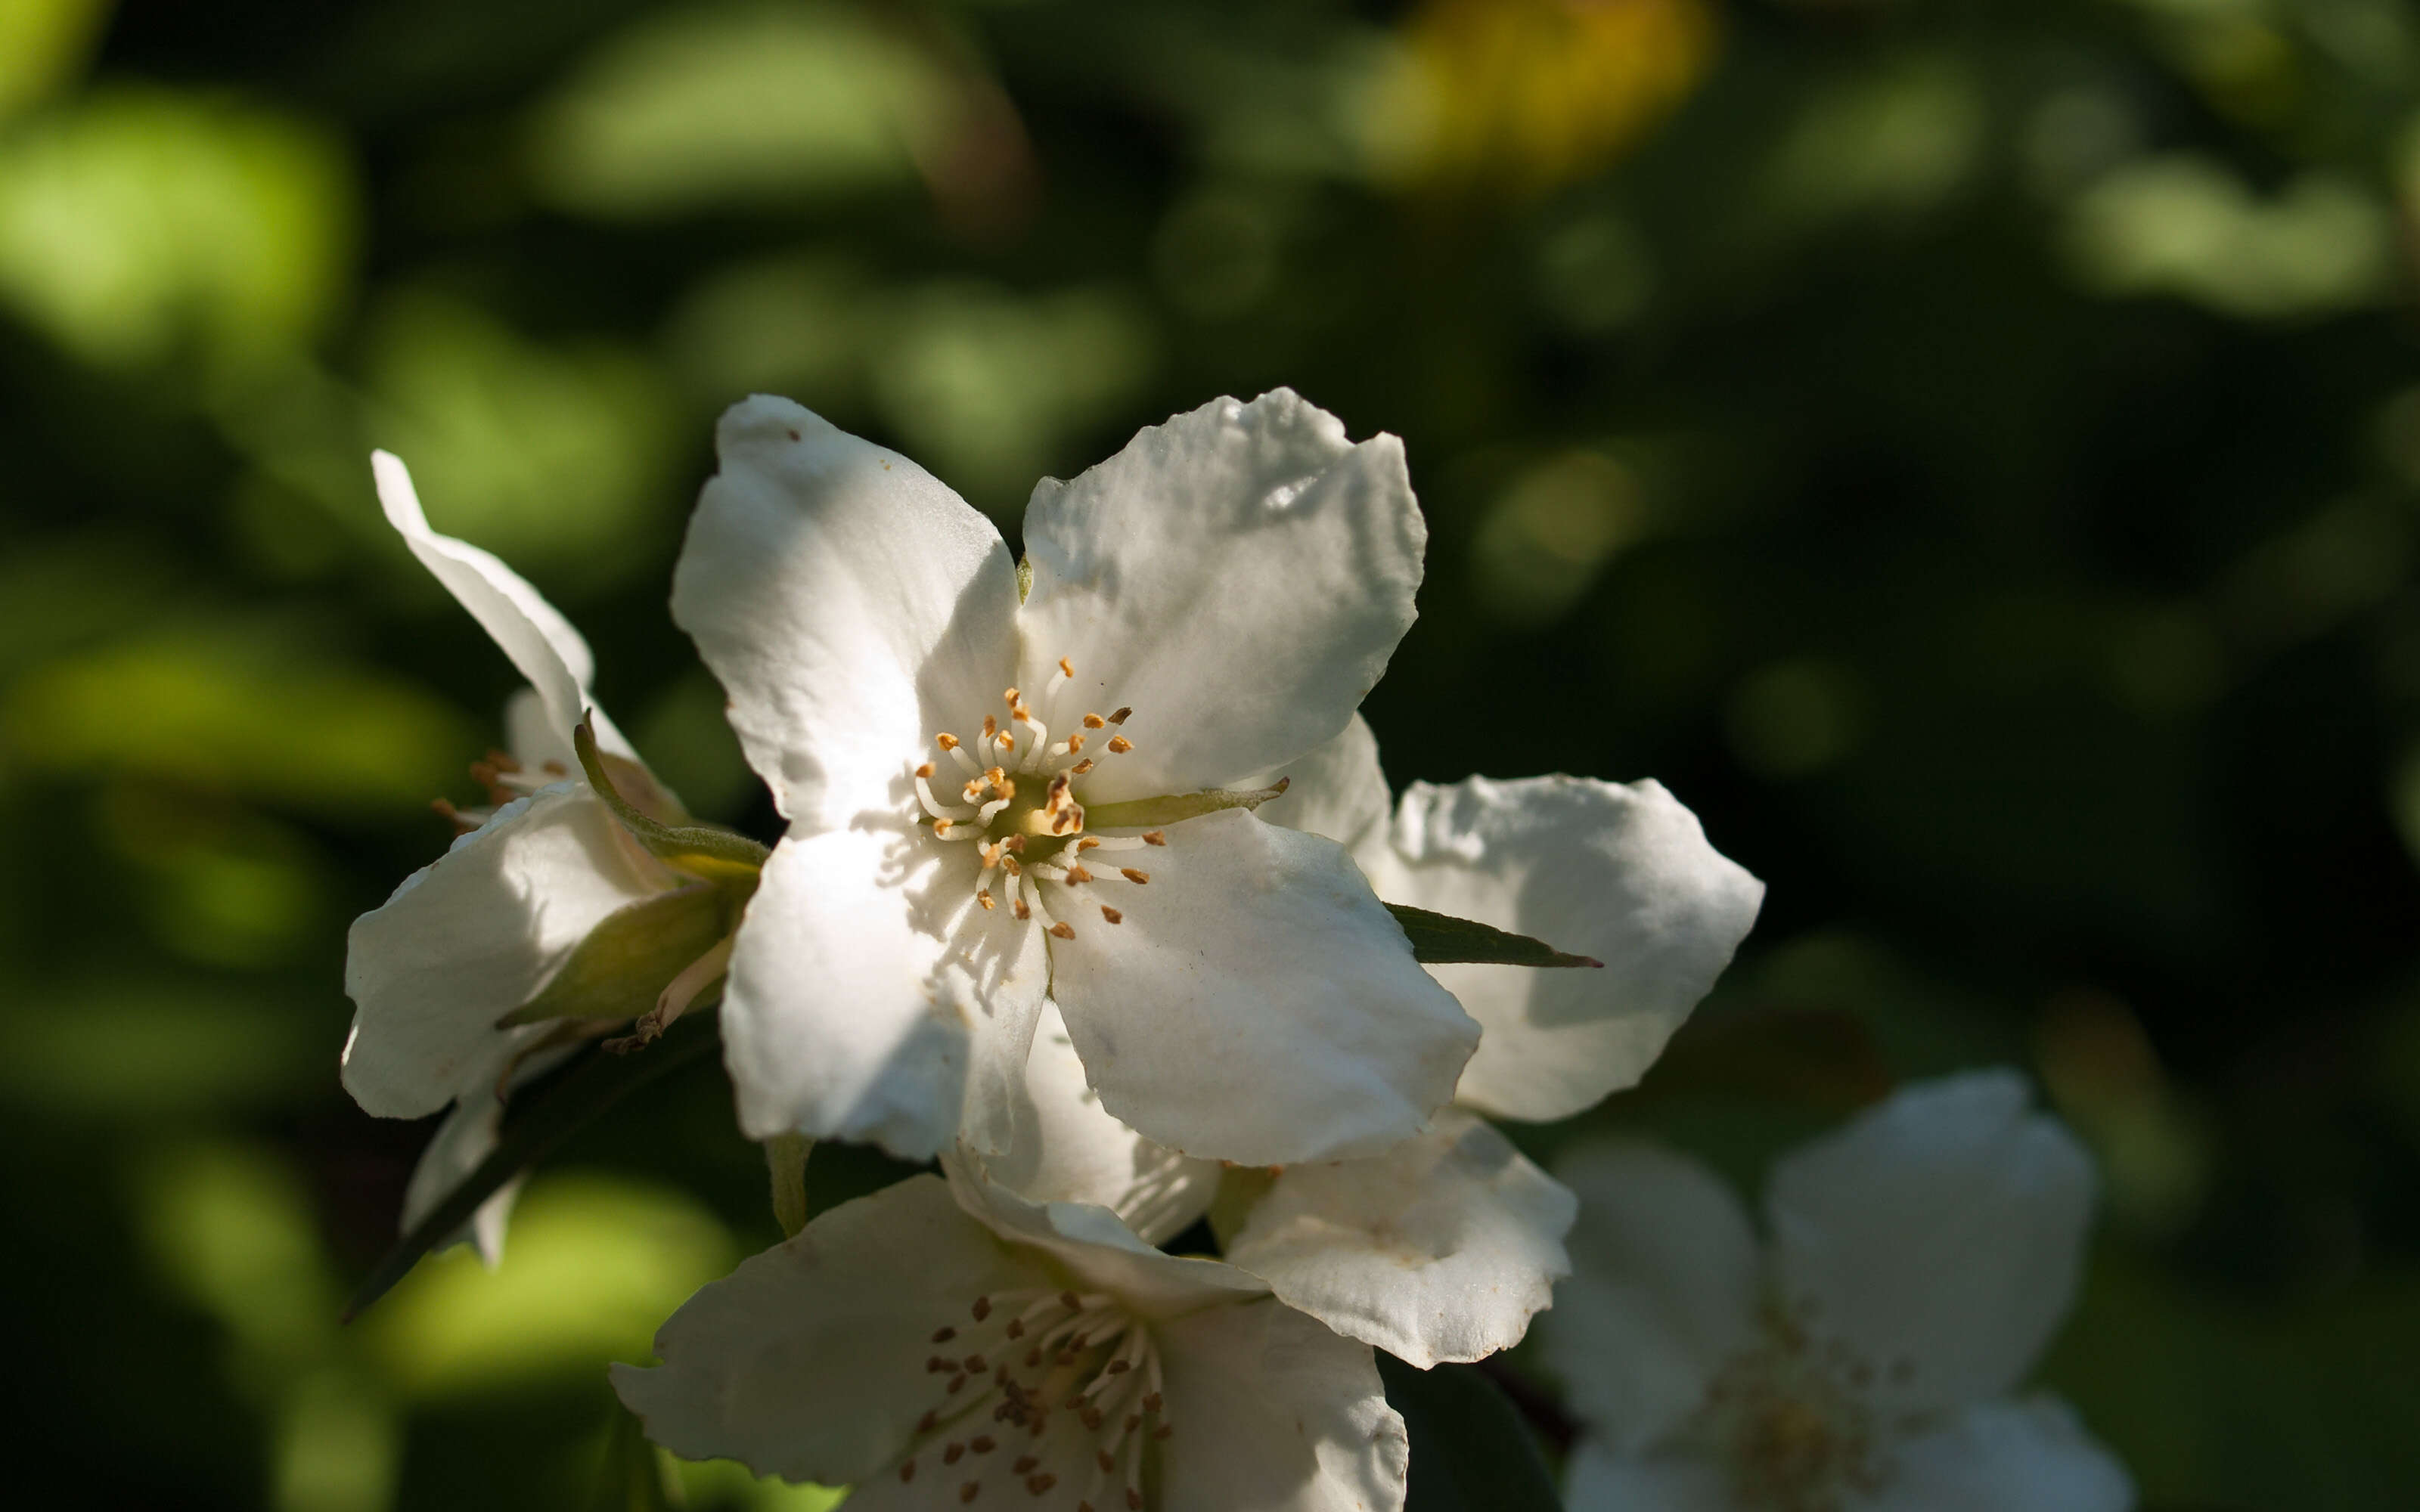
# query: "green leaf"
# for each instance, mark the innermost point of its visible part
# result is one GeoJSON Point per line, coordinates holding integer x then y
{"type": "Point", "coordinates": [700, 850]}
{"type": "Point", "coordinates": [1470, 1450]}
{"type": "Point", "coordinates": [634, 1476]}
{"type": "Point", "coordinates": [624, 964]}
{"type": "Point", "coordinates": [538, 1124]}
{"type": "Point", "coordinates": [1441, 939]}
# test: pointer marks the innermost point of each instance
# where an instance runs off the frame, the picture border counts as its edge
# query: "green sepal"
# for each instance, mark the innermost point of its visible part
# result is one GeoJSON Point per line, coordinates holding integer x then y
{"type": "Point", "coordinates": [619, 971]}
{"type": "Point", "coordinates": [700, 850]}
{"type": "Point", "coordinates": [540, 1121]}
{"type": "Point", "coordinates": [1174, 808]}
{"type": "Point", "coordinates": [785, 1165]}
{"type": "Point", "coordinates": [1441, 939]}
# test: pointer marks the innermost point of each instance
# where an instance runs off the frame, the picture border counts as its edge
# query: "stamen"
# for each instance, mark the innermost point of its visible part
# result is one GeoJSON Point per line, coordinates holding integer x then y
{"type": "Point", "coordinates": [1112, 915]}
{"type": "Point", "coordinates": [1155, 837]}
{"type": "Point", "coordinates": [933, 806]}
{"type": "Point", "coordinates": [1119, 745]}
{"type": "Point", "coordinates": [1094, 721]}
{"type": "Point", "coordinates": [1064, 930]}
{"type": "Point", "coordinates": [1122, 716]}
{"type": "Point", "coordinates": [1133, 875]}
{"type": "Point", "coordinates": [1076, 873]}
{"type": "Point", "coordinates": [1067, 667]}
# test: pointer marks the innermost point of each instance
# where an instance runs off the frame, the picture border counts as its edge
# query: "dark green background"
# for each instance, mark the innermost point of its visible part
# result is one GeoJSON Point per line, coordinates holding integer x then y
{"type": "Point", "coordinates": [1968, 452]}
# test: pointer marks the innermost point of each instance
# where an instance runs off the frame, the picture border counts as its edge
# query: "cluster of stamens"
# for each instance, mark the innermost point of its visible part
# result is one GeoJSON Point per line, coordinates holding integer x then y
{"type": "Point", "coordinates": [1044, 839]}
{"type": "Point", "coordinates": [505, 778]}
{"type": "Point", "coordinates": [1033, 1361]}
{"type": "Point", "coordinates": [1799, 1419]}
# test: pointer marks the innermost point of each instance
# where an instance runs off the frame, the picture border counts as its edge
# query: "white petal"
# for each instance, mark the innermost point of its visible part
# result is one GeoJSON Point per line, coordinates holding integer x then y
{"type": "Point", "coordinates": [1238, 576]}
{"type": "Point", "coordinates": [1599, 1479]}
{"type": "Point", "coordinates": [1622, 874]}
{"type": "Point", "coordinates": [1272, 1412]}
{"type": "Point", "coordinates": [1939, 1233]}
{"type": "Point", "coordinates": [1442, 1248]}
{"type": "Point", "coordinates": [474, 935]}
{"type": "Point", "coordinates": [1337, 790]}
{"type": "Point", "coordinates": [540, 643]}
{"type": "Point", "coordinates": [865, 984]}
{"type": "Point", "coordinates": [1094, 1246]}
{"type": "Point", "coordinates": [852, 606]}
{"type": "Point", "coordinates": [467, 1136]}
{"type": "Point", "coordinates": [1258, 1004]}
{"type": "Point", "coordinates": [1060, 1145]}
{"type": "Point", "coordinates": [808, 1362]}
{"type": "Point", "coordinates": [1664, 1289]}
{"type": "Point", "coordinates": [2029, 1456]}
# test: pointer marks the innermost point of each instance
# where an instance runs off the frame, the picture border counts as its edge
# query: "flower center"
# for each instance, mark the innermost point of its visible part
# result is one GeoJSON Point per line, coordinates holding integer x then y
{"type": "Point", "coordinates": [1798, 1419]}
{"type": "Point", "coordinates": [1046, 1390]}
{"type": "Point", "coordinates": [1011, 791]}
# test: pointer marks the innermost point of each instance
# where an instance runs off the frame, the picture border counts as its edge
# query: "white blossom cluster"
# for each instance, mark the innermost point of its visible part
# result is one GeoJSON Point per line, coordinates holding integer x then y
{"type": "Point", "coordinates": [1085, 894]}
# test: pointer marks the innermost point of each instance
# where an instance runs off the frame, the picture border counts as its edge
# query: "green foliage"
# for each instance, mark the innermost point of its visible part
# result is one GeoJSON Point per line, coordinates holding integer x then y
{"type": "Point", "coordinates": [1971, 454]}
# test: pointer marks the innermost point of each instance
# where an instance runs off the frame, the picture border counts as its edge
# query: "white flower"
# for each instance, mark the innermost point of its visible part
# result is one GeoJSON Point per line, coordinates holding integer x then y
{"type": "Point", "coordinates": [1443, 1247]}
{"type": "Point", "coordinates": [1619, 872]}
{"type": "Point", "coordinates": [473, 937]}
{"type": "Point", "coordinates": [991, 795]}
{"type": "Point", "coordinates": [1918, 1261]}
{"type": "Point", "coordinates": [941, 1344]}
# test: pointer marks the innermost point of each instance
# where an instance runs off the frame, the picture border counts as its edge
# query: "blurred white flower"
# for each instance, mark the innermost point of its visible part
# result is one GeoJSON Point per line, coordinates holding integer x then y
{"type": "Point", "coordinates": [470, 938]}
{"type": "Point", "coordinates": [941, 1339]}
{"type": "Point", "coordinates": [999, 788]}
{"type": "Point", "coordinates": [1859, 1361]}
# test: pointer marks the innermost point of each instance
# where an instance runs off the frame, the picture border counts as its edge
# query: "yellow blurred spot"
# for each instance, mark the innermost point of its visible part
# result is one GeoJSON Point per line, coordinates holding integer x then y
{"type": "Point", "coordinates": [747, 104]}
{"type": "Point", "coordinates": [2185, 225]}
{"type": "Point", "coordinates": [1529, 94]}
{"type": "Point", "coordinates": [43, 43]}
{"type": "Point", "coordinates": [591, 1267]}
{"type": "Point", "coordinates": [539, 453]}
{"type": "Point", "coordinates": [137, 223]}
{"type": "Point", "coordinates": [1543, 542]}
{"type": "Point", "coordinates": [247, 716]}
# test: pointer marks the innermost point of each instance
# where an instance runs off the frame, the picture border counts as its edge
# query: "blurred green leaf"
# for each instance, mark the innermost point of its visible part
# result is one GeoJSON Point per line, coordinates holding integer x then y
{"type": "Point", "coordinates": [235, 709]}
{"type": "Point", "coordinates": [138, 220]}
{"type": "Point", "coordinates": [1470, 1450]}
{"type": "Point", "coordinates": [633, 1476]}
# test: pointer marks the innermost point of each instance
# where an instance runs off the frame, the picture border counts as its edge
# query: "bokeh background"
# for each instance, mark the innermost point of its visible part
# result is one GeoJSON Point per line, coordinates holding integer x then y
{"type": "Point", "coordinates": [1970, 452]}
